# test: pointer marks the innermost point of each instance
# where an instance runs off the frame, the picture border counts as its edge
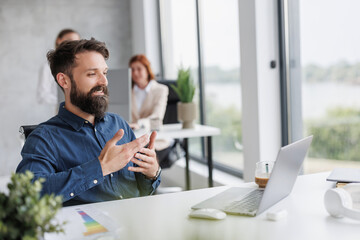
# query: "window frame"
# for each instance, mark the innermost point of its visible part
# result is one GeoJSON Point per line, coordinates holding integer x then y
{"type": "Point", "coordinates": [259, 45]}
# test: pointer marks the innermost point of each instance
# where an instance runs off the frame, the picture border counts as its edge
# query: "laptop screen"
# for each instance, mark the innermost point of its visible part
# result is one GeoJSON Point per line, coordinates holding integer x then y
{"type": "Point", "coordinates": [285, 172]}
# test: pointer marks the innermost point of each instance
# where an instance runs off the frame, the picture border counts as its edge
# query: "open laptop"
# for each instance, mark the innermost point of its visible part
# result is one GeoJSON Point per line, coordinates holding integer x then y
{"type": "Point", "coordinates": [253, 201]}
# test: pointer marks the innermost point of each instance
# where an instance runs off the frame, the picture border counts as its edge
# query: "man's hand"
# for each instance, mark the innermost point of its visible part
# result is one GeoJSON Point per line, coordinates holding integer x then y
{"type": "Point", "coordinates": [148, 164]}
{"type": "Point", "coordinates": [114, 157]}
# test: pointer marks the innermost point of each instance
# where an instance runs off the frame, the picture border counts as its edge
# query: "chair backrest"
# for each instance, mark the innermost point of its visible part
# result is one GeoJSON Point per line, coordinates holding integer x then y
{"type": "Point", "coordinates": [25, 130]}
{"type": "Point", "coordinates": [173, 99]}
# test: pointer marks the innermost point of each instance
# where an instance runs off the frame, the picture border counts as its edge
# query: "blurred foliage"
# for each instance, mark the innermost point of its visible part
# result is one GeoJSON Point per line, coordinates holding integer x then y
{"type": "Point", "coordinates": [23, 213]}
{"type": "Point", "coordinates": [341, 72]}
{"type": "Point", "coordinates": [336, 136]}
{"type": "Point", "coordinates": [229, 121]}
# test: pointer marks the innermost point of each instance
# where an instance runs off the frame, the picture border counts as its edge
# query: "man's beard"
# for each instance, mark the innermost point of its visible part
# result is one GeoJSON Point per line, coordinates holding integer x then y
{"type": "Point", "coordinates": [96, 105]}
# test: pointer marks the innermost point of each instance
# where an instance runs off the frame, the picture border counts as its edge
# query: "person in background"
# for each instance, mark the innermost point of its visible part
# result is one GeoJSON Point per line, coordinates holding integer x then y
{"type": "Point", "coordinates": [149, 101]}
{"type": "Point", "coordinates": [85, 154]}
{"type": "Point", "coordinates": [47, 92]}
{"type": "Point", "coordinates": [148, 98]}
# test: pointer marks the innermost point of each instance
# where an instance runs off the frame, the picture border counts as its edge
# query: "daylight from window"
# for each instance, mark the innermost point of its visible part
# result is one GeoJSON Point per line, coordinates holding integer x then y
{"type": "Point", "coordinates": [330, 55]}
{"type": "Point", "coordinates": [221, 67]}
{"type": "Point", "coordinates": [221, 55]}
{"type": "Point", "coordinates": [330, 72]}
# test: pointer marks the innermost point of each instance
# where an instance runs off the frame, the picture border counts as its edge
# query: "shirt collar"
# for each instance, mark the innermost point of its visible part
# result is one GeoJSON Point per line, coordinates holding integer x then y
{"type": "Point", "coordinates": [73, 120]}
{"type": "Point", "coordinates": [146, 89]}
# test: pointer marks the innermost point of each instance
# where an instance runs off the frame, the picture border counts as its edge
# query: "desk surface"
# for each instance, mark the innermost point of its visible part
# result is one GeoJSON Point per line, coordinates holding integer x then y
{"type": "Point", "coordinates": [176, 131]}
{"type": "Point", "coordinates": [166, 216]}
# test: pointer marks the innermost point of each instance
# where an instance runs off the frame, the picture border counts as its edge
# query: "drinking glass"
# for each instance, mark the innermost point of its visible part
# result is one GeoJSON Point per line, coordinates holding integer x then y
{"type": "Point", "coordinates": [262, 173]}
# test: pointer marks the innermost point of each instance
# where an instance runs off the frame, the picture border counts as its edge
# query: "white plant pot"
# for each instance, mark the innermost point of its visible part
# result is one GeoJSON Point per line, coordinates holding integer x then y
{"type": "Point", "coordinates": [186, 114]}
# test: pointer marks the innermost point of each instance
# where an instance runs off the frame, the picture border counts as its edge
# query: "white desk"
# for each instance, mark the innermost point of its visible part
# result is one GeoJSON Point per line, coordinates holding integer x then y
{"type": "Point", "coordinates": [166, 217]}
{"type": "Point", "coordinates": [176, 131]}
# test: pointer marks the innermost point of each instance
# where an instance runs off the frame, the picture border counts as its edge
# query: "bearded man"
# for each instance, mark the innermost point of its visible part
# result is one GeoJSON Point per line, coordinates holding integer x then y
{"type": "Point", "coordinates": [85, 154]}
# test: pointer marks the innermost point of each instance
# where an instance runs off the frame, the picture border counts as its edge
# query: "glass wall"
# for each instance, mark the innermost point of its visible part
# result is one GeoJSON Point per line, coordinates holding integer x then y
{"type": "Point", "coordinates": [220, 70]}
{"type": "Point", "coordinates": [330, 81]}
{"type": "Point", "coordinates": [221, 60]}
{"type": "Point", "coordinates": [179, 36]}
{"type": "Point", "coordinates": [179, 46]}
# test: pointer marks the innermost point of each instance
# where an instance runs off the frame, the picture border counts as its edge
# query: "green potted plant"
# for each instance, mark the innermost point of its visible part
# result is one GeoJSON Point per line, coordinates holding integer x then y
{"type": "Point", "coordinates": [24, 214]}
{"type": "Point", "coordinates": [185, 89]}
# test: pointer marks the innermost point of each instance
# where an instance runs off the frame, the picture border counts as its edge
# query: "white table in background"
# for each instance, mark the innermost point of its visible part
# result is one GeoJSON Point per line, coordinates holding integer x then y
{"type": "Point", "coordinates": [176, 131]}
{"type": "Point", "coordinates": [166, 217]}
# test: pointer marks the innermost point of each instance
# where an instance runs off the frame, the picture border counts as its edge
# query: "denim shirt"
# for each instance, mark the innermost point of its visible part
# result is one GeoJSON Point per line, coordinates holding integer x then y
{"type": "Point", "coordinates": [64, 151]}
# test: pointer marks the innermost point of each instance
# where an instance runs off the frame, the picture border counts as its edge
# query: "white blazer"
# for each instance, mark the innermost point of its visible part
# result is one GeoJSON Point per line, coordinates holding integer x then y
{"type": "Point", "coordinates": [154, 105]}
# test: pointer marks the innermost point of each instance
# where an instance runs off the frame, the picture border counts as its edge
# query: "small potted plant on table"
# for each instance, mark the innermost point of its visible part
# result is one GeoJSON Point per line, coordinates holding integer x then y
{"type": "Point", "coordinates": [185, 89]}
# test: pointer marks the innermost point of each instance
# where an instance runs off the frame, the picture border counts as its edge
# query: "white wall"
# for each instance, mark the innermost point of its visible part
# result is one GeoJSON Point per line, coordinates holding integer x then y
{"type": "Point", "coordinates": [27, 31]}
{"type": "Point", "coordinates": [259, 83]}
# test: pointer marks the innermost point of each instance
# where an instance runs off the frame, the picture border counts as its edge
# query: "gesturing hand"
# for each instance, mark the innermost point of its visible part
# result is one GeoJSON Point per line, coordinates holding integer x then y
{"type": "Point", "coordinates": [114, 157]}
{"type": "Point", "coordinates": [148, 164]}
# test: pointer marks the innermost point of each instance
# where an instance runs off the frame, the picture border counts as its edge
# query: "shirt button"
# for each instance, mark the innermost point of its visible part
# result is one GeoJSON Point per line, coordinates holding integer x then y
{"type": "Point", "coordinates": [95, 181]}
{"type": "Point", "coordinates": [111, 175]}
{"type": "Point", "coordinates": [86, 121]}
{"type": "Point", "coordinates": [71, 194]}
{"type": "Point", "coordinates": [95, 129]}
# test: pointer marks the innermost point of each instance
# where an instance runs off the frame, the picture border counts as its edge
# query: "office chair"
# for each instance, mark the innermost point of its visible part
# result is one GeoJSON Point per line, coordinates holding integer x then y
{"type": "Point", "coordinates": [176, 151]}
{"type": "Point", "coordinates": [171, 108]}
{"type": "Point", "coordinates": [173, 153]}
{"type": "Point", "coordinates": [25, 130]}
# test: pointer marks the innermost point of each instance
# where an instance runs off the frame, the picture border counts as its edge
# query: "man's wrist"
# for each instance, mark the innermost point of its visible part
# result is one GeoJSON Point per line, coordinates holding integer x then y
{"type": "Point", "coordinates": [157, 174]}
{"type": "Point", "coordinates": [104, 170]}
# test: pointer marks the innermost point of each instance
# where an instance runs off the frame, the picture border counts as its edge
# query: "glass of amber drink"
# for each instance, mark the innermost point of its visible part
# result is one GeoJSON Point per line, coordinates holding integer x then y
{"type": "Point", "coordinates": [262, 173]}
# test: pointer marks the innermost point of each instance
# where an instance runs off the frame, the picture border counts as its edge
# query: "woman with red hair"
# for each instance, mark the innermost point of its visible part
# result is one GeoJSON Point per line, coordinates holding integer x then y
{"type": "Point", "coordinates": [149, 98]}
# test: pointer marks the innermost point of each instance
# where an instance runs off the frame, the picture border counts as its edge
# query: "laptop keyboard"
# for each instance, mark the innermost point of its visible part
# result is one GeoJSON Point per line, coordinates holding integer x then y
{"type": "Point", "coordinates": [247, 205]}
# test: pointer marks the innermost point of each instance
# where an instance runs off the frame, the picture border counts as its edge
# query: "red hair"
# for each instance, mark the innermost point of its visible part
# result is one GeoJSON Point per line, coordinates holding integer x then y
{"type": "Point", "coordinates": [144, 61]}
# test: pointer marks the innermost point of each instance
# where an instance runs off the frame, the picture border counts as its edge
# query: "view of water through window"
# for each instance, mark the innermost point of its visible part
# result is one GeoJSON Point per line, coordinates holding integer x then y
{"type": "Point", "coordinates": [221, 67]}
{"type": "Point", "coordinates": [330, 82]}
{"type": "Point", "coordinates": [330, 75]}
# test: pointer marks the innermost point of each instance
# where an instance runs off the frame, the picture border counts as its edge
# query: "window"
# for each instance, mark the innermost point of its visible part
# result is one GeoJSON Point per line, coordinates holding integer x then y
{"type": "Point", "coordinates": [221, 60]}
{"type": "Point", "coordinates": [178, 36]}
{"type": "Point", "coordinates": [329, 89]}
{"type": "Point", "coordinates": [179, 46]}
{"type": "Point", "coordinates": [220, 70]}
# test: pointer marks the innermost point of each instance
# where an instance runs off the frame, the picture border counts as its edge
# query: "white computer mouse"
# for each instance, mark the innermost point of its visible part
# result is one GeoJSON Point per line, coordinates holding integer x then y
{"type": "Point", "coordinates": [208, 213]}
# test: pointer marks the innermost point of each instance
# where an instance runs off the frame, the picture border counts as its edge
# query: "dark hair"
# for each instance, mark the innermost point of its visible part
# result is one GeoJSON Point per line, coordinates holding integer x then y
{"type": "Point", "coordinates": [144, 61]}
{"type": "Point", "coordinates": [62, 59]}
{"type": "Point", "coordinates": [63, 32]}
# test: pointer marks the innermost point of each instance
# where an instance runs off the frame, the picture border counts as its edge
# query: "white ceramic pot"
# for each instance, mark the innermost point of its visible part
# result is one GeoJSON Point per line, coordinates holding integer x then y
{"type": "Point", "coordinates": [186, 114]}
